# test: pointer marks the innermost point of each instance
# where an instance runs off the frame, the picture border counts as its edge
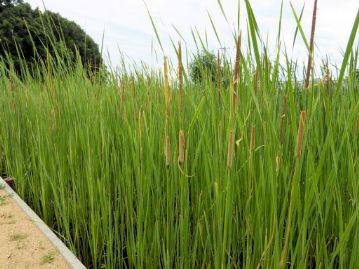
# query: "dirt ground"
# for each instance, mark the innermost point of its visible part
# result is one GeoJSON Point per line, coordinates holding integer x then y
{"type": "Point", "coordinates": [22, 245]}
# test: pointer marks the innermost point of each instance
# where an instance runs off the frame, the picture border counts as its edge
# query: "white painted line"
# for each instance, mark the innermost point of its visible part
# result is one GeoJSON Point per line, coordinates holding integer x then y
{"type": "Point", "coordinates": [69, 257]}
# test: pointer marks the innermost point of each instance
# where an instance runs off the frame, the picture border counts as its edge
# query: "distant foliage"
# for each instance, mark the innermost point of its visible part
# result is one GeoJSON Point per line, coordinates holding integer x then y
{"type": "Point", "coordinates": [30, 36]}
{"type": "Point", "coordinates": [204, 66]}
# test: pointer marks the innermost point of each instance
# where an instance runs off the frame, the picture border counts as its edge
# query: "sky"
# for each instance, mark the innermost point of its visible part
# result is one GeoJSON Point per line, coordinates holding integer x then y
{"type": "Point", "coordinates": [125, 26]}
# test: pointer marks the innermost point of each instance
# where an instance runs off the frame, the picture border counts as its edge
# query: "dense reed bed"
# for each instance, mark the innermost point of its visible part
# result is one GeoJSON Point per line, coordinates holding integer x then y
{"type": "Point", "coordinates": [141, 171]}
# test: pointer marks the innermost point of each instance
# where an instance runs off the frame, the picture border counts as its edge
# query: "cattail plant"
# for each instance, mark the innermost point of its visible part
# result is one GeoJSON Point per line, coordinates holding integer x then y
{"type": "Point", "coordinates": [181, 147]}
{"type": "Point", "coordinates": [167, 150]}
{"type": "Point", "coordinates": [12, 90]}
{"type": "Point", "coordinates": [148, 214]}
{"type": "Point", "coordinates": [281, 130]}
{"type": "Point", "coordinates": [166, 90]}
{"type": "Point", "coordinates": [236, 74]}
{"type": "Point", "coordinates": [140, 127]}
{"type": "Point", "coordinates": [180, 79]}
{"type": "Point", "coordinates": [277, 164]}
{"type": "Point", "coordinates": [219, 133]}
{"type": "Point", "coordinates": [133, 87]}
{"type": "Point", "coordinates": [234, 98]}
{"type": "Point", "coordinates": [122, 91]}
{"type": "Point", "coordinates": [238, 142]}
{"type": "Point", "coordinates": [253, 138]}
{"type": "Point", "coordinates": [140, 132]}
{"type": "Point", "coordinates": [181, 136]}
{"type": "Point", "coordinates": [300, 135]}
{"type": "Point", "coordinates": [328, 77]}
{"type": "Point", "coordinates": [230, 150]}
{"type": "Point", "coordinates": [219, 75]}
{"type": "Point", "coordinates": [311, 46]}
{"type": "Point", "coordinates": [122, 98]}
{"type": "Point", "coordinates": [256, 81]}
{"type": "Point", "coordinates": [282, 120]}
{"type": "Point", "coordinates": [167, 109]}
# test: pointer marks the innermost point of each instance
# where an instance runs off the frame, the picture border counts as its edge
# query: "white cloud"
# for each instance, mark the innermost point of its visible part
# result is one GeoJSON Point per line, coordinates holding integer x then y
{"type": "Point", "coordinates": [127, 25]}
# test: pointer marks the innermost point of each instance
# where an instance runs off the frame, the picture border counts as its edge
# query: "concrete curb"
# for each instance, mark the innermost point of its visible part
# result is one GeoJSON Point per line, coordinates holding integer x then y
{"type": "Point", "coordinates": [69, 257]}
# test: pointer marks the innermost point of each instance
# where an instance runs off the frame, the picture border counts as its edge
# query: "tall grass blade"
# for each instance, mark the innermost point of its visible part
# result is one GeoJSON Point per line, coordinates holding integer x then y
{"type": "Point", "coordinates": [299, 26]}
{"type": "Point", "coordinates": [311, 45]}
{"type": "Point", "coordinates": [348, 52]}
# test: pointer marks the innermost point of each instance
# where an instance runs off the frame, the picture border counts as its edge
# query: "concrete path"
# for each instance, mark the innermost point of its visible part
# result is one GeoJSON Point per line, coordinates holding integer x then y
{"type": "Point", "coordinates": [25, 240]}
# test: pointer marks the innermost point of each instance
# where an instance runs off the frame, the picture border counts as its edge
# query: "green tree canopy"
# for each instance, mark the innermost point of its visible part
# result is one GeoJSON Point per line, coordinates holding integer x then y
{"type": "Point", "coordinates": [8, 3]}
{"type": "Point", "coordinates": [31, 35]}
{"type": "Point", "coordinates": [204, 66]}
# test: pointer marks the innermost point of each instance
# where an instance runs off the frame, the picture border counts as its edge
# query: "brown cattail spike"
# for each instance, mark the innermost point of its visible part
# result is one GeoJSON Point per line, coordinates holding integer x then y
{"type": "Point", "coordinates": [236, 73]}
{"type": "Point", "coordinates": [237, 62]}
{"type": "Point", "coordinates": [230, 149]}
{"type": "Point", "coordinates": [181, 147]}
{"type": "Point", "coordinates": [311, 45]}
{"type": "Point", "coordinates": [301, 128]}
{"type": "Point", "coordinates": [253, 138]}
{"type": "Point", "coordinates": [122, 91]}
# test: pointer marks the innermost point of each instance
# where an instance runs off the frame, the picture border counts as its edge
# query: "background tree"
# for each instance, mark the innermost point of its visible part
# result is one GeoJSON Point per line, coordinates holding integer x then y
{"type": "Point", "coordinates": [29, 36]}
{"type": "Point", "coordinates": [204, 66]}
{"type": "Point", "coordinates": [7, 3]}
